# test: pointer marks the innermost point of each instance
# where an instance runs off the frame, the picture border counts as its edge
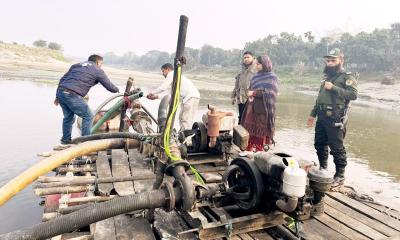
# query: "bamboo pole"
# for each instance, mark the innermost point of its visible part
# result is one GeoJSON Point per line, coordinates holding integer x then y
{"type": "Point", "coordinates": [89, 199]}
{"type": "Point", "coordinates": [62, 190]}
{"type": "Point", "coordinates": [91, 180]}
{"type": "Point", "coordinates": [74, 169]}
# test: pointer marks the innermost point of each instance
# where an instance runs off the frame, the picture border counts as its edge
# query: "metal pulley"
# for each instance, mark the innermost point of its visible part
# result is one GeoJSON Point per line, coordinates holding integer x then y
{"type": "Point", "coordinates": [244, 183]}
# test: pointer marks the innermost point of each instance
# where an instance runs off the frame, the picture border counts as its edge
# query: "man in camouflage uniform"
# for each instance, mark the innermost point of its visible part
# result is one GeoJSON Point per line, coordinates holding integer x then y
{"type": "Point", "coordinates": [242, 84]}
{"type": "Point", "coordinates": [331, 107]}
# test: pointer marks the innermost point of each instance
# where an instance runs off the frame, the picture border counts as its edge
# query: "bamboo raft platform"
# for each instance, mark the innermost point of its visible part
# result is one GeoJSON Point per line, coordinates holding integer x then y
{"type": "Point", "coordinates": [344, 217]}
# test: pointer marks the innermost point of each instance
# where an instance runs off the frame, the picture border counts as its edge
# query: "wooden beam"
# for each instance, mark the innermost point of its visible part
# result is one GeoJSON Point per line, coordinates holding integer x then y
{"type": "Point", "coordinates": [132, 228]}
{"type": "Point", "coordinates": [366, 210]}
{"type": "Point", "coordinates": [120, 168]}
{"type": "Point", "coordinates": [241, 225]}
{"type": "Point", "coordinates": [378, 226]}
{"type": "Point", "coordinates": [105, 230]}
{"type": "Point", "coordinates": [353, 223]}
{"type": "Point", "coordinates": [103, 171]}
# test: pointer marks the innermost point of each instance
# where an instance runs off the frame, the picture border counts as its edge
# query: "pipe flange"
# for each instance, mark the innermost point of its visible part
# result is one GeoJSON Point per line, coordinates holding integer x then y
{"type": "Point", "coordinates": [171, 166]}
{"type": "Point", "coordinates": [169, 188]}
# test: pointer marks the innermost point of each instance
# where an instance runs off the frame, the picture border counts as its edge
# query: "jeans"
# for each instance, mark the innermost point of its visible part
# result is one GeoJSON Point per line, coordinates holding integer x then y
{"type": "Point", "coordinates": [73, 104]}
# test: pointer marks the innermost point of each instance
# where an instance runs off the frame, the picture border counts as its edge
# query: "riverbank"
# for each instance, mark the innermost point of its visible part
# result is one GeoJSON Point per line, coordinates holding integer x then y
{"type": "Point", "coordinates": [370, 94]}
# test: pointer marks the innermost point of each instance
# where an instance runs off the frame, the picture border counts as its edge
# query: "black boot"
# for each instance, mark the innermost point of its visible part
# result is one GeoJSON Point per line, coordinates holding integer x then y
{"type": "Point", "coordinates": [338, 179]}
{"type": "Point", "coordinates": [323, 164]}
{"type": "Point", "coordinates": [322, 154]}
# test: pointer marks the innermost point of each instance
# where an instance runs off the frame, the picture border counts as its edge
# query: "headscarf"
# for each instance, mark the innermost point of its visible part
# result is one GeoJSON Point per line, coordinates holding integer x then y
{"type": "Point", "coordinates": [265, 62]}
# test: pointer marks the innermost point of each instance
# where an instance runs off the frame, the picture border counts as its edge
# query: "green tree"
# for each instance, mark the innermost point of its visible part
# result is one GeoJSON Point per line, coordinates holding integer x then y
{"type": "Point", "coordinates": [40, 43]}
{"type": "Point", "coordinates": [54, 46]}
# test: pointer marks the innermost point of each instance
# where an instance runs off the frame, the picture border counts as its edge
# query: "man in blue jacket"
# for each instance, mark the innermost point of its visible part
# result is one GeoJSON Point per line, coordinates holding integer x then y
{"type": "Point", "coordinates": [73, 86]}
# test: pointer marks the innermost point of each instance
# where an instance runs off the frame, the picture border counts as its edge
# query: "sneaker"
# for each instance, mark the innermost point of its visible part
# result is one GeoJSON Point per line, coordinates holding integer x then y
{"type": "Point", "coordinates": [62, 145]}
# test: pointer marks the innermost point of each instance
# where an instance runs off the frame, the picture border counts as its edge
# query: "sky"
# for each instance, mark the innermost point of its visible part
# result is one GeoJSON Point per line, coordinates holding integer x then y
{"type": "Point", "coordinates": [100, 26]}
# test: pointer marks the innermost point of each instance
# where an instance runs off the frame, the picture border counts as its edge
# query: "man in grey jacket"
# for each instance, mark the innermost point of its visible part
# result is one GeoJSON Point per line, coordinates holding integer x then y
{"type": "Point", "coordinates": [239, 93]}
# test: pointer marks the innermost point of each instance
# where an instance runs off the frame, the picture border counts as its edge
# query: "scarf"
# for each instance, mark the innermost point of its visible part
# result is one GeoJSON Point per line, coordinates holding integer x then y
{"type": "Point", "coordinates": [259, 117]}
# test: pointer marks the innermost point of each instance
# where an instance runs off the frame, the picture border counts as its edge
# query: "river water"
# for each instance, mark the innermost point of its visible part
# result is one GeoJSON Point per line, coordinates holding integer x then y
{"type": "Point", "coordinates": [31, 124]}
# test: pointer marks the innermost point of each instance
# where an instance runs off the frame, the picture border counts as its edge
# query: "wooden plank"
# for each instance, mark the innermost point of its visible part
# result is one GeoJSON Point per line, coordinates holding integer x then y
{"type": "Point", "coordinates": [137, 160]}
{"type": "Point", "coordinates": [103, 170]}
{"type": "Point", "coordinates": [120, 168]}
{"type": "Point", "coordinates": [260, 235]}
{"type": "Point", "coordinates": [131, 228]}
{"type": "Point", "coordinates": [384, 209]}
{"type": "Point", "coordinates": [234, 238]}
{"type": "Point", "coordinates": [77, 236]}
{"type": "Point", "coordinates": [380, 227]}
{"type": "Point", "coordinates": [245, 236]}
{"type": "Point", "coordinates": [339, 227]}
{"type": "Point", "coordinates": [169, 225]}
{"type": "Point", "coordinates": [105, 230]}
{"type": "Point", "coordinates": [140, 166]}
{"type": "Point", "coordinates": [315, 230]}
{"type": "Point", "coordinates": [366, 210]}
{"type": "Point", "coordinates": [353, 223]}
{"type": "Point", "coordinates": [241, 225]}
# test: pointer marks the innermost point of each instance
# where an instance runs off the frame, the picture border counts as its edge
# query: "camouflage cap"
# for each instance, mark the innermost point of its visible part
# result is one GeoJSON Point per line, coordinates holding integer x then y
{"type": "Point", "coordinates": [334, 53]}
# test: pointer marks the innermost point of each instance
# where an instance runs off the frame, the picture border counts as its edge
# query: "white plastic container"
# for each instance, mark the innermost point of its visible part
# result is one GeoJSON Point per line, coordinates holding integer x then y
{"type": "Point", "coordinates": [294, 179]}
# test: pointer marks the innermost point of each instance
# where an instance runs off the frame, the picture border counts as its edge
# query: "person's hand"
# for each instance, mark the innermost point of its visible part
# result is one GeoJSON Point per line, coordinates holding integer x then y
{"type": "Point", "coordinates": [56, 102]}
{"type": "Point", "coordinates": [310, 121]}
{"type": "Point", "coordinates": [328, 85]}
{"type": "Point", "coordinates": [152, 96]}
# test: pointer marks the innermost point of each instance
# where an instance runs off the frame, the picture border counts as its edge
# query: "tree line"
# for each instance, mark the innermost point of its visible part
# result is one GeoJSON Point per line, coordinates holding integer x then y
{"type": "Point", "coordinates": [51, 45]}
{"type": "Point", "coordinates": [378, 50]}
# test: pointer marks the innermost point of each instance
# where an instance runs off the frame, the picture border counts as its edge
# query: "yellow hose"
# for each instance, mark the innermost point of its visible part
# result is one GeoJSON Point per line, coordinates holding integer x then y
{"type": "Point", "coordinates": [48, 164]}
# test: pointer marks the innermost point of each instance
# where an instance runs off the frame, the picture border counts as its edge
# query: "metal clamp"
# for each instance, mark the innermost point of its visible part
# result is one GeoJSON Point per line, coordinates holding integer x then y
{"type": "Point", "coordinates": [171, 196]}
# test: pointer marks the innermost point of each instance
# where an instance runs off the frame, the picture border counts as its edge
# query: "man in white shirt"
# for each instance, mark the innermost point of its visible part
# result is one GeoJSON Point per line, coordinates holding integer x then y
{"type": "Point", "coordinates": [190, 96]}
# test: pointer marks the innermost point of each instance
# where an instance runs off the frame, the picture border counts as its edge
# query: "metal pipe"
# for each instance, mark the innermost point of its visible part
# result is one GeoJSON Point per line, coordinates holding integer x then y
{"type": "Point", "coordinates": [124, 107]}
{"type": "Point", "coordinates": [148, 113]}
{"type": "Point", "coordinates": [94, 213]}
{"type": "Point", "coordinates": [162, 112]}
{"type": "Point", "coordinates": [288, 205]}
{"type": "Point", "coordinates": [100, 107]}
{"type": "Point", "coordinates": [113, 109]}
{"type": "Point", "coordinates": [97, 136]}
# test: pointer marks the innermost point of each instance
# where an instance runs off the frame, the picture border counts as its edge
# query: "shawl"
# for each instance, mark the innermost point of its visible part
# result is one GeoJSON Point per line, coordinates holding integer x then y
{"type": "Point", "coordinates": [259, 117]}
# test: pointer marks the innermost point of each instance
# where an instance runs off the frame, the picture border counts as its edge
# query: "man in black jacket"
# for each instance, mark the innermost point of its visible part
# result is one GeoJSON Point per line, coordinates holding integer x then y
{"type": "Point", "coordinates": [73, 86]}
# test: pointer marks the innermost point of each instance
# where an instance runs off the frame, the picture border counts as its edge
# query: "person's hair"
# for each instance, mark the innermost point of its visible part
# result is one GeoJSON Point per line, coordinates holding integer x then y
{"type": "Point", "coordinates": [248, 52]}
{"type": "Point", "coordinates": [167, 66]}
{"type": "Point", "coordinates": [259, 59]}
{"type": "Point", "coordinates": [265, 62]}
{"type": "Point", "coordinates": [95, 58]}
